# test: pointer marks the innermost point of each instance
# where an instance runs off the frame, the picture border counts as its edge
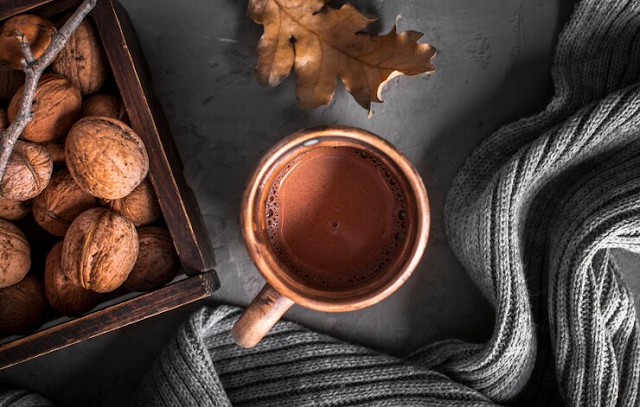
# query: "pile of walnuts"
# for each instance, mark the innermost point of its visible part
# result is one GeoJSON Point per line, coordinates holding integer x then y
{"type": "Point", "coordinates": [81, 172]}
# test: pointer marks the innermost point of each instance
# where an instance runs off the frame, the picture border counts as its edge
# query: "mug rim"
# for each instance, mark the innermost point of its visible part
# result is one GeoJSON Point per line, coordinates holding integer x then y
{"type": "Point", "coordinates": [268, 265]}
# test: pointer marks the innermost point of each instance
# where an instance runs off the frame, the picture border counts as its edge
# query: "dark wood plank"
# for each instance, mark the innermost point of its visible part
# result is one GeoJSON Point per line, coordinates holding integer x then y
{"type": "Point", "coordinates": [44, 8]}
{"type": "Point", "coordinates": [108, 319]}
{"type": "Point", "coordinates": [10, 8]}
{"type": "Point", "coordinates": [176, 198]}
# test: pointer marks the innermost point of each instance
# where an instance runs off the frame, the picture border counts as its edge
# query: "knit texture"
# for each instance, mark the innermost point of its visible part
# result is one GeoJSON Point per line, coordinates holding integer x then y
{"type": "Point", "coordinates": [21, 398]}
{"type": "Point", "coordinates": [533, 215]}
{"type": "Point", "coordinates": [292, 366]}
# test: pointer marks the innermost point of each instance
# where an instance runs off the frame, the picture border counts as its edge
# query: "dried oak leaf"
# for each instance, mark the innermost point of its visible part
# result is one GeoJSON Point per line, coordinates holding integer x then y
{"type": "Point", "coordinates": [322, 43]}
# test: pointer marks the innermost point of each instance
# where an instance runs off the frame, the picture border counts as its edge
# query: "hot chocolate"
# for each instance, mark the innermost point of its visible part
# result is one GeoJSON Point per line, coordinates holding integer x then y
{"type": "Point", "coordinates": [335, 216]}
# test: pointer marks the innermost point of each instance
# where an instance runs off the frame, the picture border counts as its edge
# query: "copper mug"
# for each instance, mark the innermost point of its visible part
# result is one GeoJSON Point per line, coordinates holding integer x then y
{"type": "Point", "coordinates": [283, 287]}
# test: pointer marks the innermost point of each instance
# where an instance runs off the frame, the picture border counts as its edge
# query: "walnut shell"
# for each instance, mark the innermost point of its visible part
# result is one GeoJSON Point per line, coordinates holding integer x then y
{"type": "Point", "coordinates": [106, 157]}
{"type": "Point", "coordinates": [23, 306]}
{"type": "Point", "coordinates": [10, 82]}
{"type": "Point", "coordinates": [158, 262]}
{"type": "Point", "coordinates": [4, 121]}
{"type": "Point", "coordinates": [141, 206]}
{"type": "Point", "coordinates": [60, 203]}
{"type": "Point", "coordinates": [104, 105]}
{"type": "Point", "coordinates": [15, 254]}
{"type": "Point", "coordinates": [82, 60]}
{"type": "Point", "coordinates": [55, 148]}
{"type": "Point", "coordinates": [56, 105]}
{"type": "Point", "coordinates": [99, 250]}
{"type": "Point", "coordinates": [28, 171]}
{"type": "Point", "coordinates": [36, 30]}
{"type": "Point", "coordinates": [14, 210]}
{"type": "Point", "coordinates": [63, 295]}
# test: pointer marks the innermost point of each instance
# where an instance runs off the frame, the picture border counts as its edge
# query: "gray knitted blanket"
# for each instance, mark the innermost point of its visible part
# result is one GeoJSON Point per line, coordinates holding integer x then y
{"type": "Point", "coordinates": [533, 215]}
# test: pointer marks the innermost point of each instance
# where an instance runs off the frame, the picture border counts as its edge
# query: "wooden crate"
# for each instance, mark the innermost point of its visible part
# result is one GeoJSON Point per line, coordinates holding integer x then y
{"type": "Point", "coordinates": [178, 205]}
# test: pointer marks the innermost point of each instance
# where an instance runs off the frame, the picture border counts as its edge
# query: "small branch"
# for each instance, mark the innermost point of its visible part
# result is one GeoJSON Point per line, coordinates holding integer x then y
{"type": "Point", "coordinates": [33, 69]}
{"type": "Point", "coordinates": [60, 39]}
{"type": "Point", "coordinates": [25, 48]}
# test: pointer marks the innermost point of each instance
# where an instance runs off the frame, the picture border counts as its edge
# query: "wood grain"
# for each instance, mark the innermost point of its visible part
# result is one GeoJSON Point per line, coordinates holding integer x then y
{"type": "Point", "coordinates": [131, 74]}
{"type": "Point", "coordinates": [44, 8]}
{"type": "Point", "coordinates": [259, 317]}
{"type": "Point", "coordinates": [108, 319]}
{"type": "Point", "coordinates": [10, 8]}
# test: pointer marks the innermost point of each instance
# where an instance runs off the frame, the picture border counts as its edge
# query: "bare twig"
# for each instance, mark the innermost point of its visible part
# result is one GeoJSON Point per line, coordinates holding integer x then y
{"type": "Point", "coordinates": [33, 69]}
{"type": "Point", "coordinates": [25, 48]}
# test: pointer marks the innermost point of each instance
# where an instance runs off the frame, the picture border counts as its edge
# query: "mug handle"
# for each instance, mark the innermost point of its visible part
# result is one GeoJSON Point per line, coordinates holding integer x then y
{"type": "Point", "coordinates": [260, 316]}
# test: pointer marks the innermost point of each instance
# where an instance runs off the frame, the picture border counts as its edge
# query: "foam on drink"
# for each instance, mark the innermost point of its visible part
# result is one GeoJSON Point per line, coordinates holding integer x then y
{"type": "Point", "coordinates": [336, 216]}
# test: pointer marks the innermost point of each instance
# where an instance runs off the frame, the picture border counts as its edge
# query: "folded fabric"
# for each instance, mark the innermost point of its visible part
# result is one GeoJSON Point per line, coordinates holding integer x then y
{"type": "Point", "coordinates": [22, 398]}
{"type": "Point", "coordinates": [292, 366]}
{"type": "Point", "coordinates": [534, 214]}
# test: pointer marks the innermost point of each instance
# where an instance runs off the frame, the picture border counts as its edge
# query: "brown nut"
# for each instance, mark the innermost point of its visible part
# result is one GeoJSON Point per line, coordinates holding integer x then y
{"type": "Point", "coordinates": [106, 157]}
{"type": "Point", "coordinates": [99, 250]}
{"type": "Point", "coordinates": [82, 60]}
{"type": "Point", "coordinates": [14, 210]}
{"type": "Point", "coordinates": [157, 264]}
{"type": "Point", "coordinates": [15, 254]}
{"type": "Point", "coordinates": [28, 171]}
{"type": "Point", "coordinates": [141, 206]}
{"type": "Point", "coordinates": [55, 148]}
{"type": "Point", "coordinates": [36, 30]}
{"type": "Point", "coordinates": [23, 306]}
{"type": "Point", "coordinates": [10, 82]}
{"type": "Point", "coordinates": [63, 295]}
{"type": "Point", "coordinates": [104, 105]}
{"type": "Point", "coordinates": [60, 203]}
{"type": "Point", "coordinates": [56, 105]}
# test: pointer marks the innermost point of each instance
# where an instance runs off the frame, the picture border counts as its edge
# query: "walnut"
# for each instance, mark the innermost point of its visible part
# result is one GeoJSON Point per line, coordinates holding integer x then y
{"type": "Point", "coordinates": [104, 105]}
{"type": "Point", "coordinates": [106, 157]}
{"type": "Point", "coordinates": [55, 148]}
{"type": "Point", "coordinates": [14, 210]}
{"type": "Point", "coordinates": [56, 105]}
{"type": "Point", "coordinates": [141, 206]}
{"type": "Point", "coordinates": [60, 203]}
{"type": "Point", "coordinates": [28, 171]}
{"type": "Point", "coordinates": [99, 250]}
{"type": "Point", "coordinates": [23, 306]}
{"type": "Point", "coordinates": [158, 262]}
{"type": "Point", "coordinates": [15, 254]}
{"type": "Point", "coordinates": [82, 60]}
{"type": "Point", "coordinates": [10, 81]}
{"type": "Point", "coordinates": [37, 32]}
{"type": "Point", "coordinates": [63, 295]}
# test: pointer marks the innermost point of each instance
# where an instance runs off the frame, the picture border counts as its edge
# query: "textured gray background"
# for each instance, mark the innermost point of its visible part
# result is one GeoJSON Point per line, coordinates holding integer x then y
{"type": "Point", "coordinates": [492, 68]}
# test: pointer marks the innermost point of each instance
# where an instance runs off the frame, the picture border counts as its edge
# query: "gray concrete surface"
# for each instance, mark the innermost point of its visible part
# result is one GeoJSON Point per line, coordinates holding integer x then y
{"type": "Point", "coordinates": [492, 68]}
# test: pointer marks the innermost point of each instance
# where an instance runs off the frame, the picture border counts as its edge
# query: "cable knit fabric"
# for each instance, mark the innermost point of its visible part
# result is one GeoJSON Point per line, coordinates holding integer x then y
{"type": "Point", "coordinates": [533, 215]}
{"type": "Point", "coordinates": [21, 398]}
{"type": "Point", "coordinates": [537, 208]}
{"type": "Point", "coordinates": [290, 367]}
